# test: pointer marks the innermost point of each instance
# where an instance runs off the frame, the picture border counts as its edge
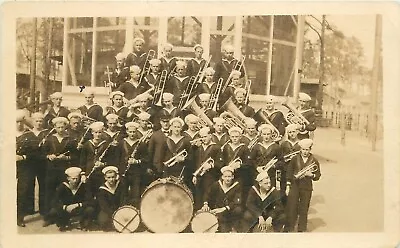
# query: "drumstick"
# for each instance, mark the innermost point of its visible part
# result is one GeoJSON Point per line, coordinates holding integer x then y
{"type": "Point", "coordinates": [129, 222]}
{"type": "Point", "coordinates": [180, 175]}
{"type": "Point", "coordinates": [208, 229]}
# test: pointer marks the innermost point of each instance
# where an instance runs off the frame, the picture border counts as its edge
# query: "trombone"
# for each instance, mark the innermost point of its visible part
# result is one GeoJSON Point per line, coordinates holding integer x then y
{"type": "Point", "coordinates": [237, 67]}
{"type": "Point", "coordinates": [200, 74]}
{"type": "Point", "coordinates": [159, 89]}
{"type": "Point", "coordinates": [215, 95]}
{"type": "Point", "coordinates": [172, 161]}
{"type": "Point", "coordinates": [200, 171]}
{"type": "Point", "coordinates": [146, 67]}
{"type": "Point", "coordinates": [188, 91]}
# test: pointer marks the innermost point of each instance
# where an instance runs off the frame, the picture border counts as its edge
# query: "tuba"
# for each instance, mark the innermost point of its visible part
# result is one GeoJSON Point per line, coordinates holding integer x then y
{"type": "Point", "coordinates": [233, 115]}
{"type": "Point", "coordinates": [192, 105]}
{"type": "Point", "coordinates": [261, 117]}
{"type": "Point", "coordinates": [146, 67]}
{"type": "Point", "coordinates": [159, 89]}
{"type": "Point", "coordinates": [294, 116]}
{"type": "Point", "coordinates": [215, 95]}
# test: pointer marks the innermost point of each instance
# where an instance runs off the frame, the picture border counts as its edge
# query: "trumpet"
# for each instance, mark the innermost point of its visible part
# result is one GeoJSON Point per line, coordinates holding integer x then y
{"type": "Point", "coordinates": [302, 173]}
{"type": "Point", "coordinates": [260, 116]}
{"type": "Point", "coordinates": [235, 161]}
{"type": "Point", "coordinates": [268, 165]}
{"type": "Point", "coordinates": [289, 156]}
{"type": "Point", "coordinates": [146, 67]}
{"type": "Point", "coordinates": [200, 171]}
{"type": "Point", "coordinates": [172, 161]}
{"type": "Point", "coordinates": [159, 89]}
{"type": "Point", "coordinates": [253, 141]}
{"type": "Point", "coordinates": [215, 95]}
{"type": "Point", "coordinates": [294, 116]}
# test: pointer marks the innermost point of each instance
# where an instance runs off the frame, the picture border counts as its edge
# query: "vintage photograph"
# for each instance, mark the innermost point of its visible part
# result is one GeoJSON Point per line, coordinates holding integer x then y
{"type": "Point", "coordinates": [199, 124]}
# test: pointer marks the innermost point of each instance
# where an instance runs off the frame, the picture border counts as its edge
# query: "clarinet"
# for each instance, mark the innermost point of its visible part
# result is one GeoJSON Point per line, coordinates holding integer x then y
{"type": "Point", "coordinates": [135, 150]}
{"type": "Point", "coordinates": [45, 137]}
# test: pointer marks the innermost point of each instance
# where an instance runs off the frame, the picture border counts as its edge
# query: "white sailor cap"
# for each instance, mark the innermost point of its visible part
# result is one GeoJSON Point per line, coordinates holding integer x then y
{"type": "Point", "coordinates": [167, 96]}
{"type": "Point", "coordinates": [56, 95]}
{"type": "Point", "coordinates": [131, 124]}
{"type": "Point", "coordinates": [270, 98]}
{"type": "Point", "coordinates": [112, 117]}
{"type": "Point", "coordinates": [240, 90]}
{"type": "Point", "coordinates": [191, 118]}
{"type": "Point", "coordinates": [265, 126]}
{"type": "Point", "coordinates": [142, 97]}
{"type": "Point", "coordinates": [74, 114]}
{"type": "Point", "coordinates": [229, 48]}
{"type": "Point", "coordinates": [59, 119]}
{"type": "Point", "coordinates": [304, 97]}
{"type": "Point", "coordinates": [219, 120]}
{"type": "Point", "coordinates": [235, 74]}
{"type": "Point", "coordinates": [197, 46]}
{"type": "Point", "coordinates": [109, 168]}
{"type": "Point", "coordinates": [176, 119]}
{"type": "Point", "coordinates": [155, 62]}
{"type": "Point", "coordinates": [88, 91]}
{"type": "Point", "coordinates": [20, 115]}
{"type": "Point", "coordinates": [180, 64]}
{"type": "Point", "coordinates": [120, 56]}
{"type": "Point", "coordinates": [234, 129]}
{"type": "Point", "coordinates": [144, 116]}
{"type": "Point", "coordinates": [305, 143]}
{"type": "Point", "coordinates": [168, 45]}
{"type": "Point", "coordinates": [114, 93]}
{"type": "Point", "coordinates": [291, 127]}
{"type": "Point", "coordinates": [204, 96]}
{"type": "Point", "coordinates": [209, 70]}
{"type": "Point", "coordinates": [227, 168]}
{"type": "Point", "coordinates": [250, 122]}
{"type": "Point", "coordinates": [134, 68]}
{"type": "Point", "coordinates": [73, 171]}
{"type": "Point", "coordinates": [96, 126]}
{"type": "Point", "coordinates": [138, 39]}
{"type": "Point", "coordinates": [204, 131]}
{"type": "Point", "coordinates": [263, 175]}
{"type": "Point", "coordinates": [37, 115]}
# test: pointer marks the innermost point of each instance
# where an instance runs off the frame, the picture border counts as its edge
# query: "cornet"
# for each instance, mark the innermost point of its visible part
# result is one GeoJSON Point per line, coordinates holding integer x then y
{"type": "Point", "coordinates": [200, 171]}
{"type": "Point", "coordinates": [268, 166]}
{"type": "Point", "coordinates": [172, 161]}
{"type": "Point", "coordinates": [235, 161]}
{"type": "Point", "coordinates": [289, 156]}
{"type": "Point", "coordinates": [302, 173]}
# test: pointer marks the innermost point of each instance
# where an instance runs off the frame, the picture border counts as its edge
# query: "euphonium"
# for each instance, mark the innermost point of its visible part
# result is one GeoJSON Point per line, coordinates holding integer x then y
{"type": "Point", "coordinates": [172, 161]}
{"type": "Point", "coordinates": [238, 117]}
{"type": "Point", "coordinates": [200, 171]}
{"type": "Point", "coordinates": [159, 89]}
{"type": "Point", "coordinates": [231, 121]}
{"type": "Point", "coordinates": [261, 117]}
{"type": "Point", "coordinates": [311, 167]}
{"type": "Point", "coordinates": [215, 95]}
{"type": "Point", "coordinates": [192, 105]}
{"type": "Point", "coordinates": [146, 67]}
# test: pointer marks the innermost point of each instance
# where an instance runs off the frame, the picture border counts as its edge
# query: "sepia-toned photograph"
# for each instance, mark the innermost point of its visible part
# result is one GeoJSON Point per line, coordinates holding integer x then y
{"type": "Point", "coordinates": [223, 124]}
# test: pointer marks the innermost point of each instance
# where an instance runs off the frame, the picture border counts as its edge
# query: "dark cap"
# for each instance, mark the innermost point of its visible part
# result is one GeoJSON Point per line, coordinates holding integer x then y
{"type": "Point", "coordinates": [164, 115]}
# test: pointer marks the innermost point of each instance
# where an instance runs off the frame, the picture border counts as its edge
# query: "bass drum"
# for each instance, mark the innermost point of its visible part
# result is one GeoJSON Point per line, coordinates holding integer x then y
{"type": "Point", "coordinates": [126, 219]}
{"type": "Point", "coordinates": [166, 206]}
{"type": "Point", "coordinates": [204, 222]}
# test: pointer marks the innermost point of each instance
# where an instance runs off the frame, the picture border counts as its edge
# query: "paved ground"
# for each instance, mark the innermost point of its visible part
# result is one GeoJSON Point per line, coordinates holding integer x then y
{"type": "Point", "coordinates": [347, 198]}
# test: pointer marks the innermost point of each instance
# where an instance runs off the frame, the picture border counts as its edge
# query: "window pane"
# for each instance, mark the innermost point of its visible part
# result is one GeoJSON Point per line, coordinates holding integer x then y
{"type": "Point", "coordinates": [284, 28]}
{"type": "Point", "coordinates": [184, 31]}
{"type": "Point", "coordinates": [81, 22]}
{"type": "Point", "coordinates": [282, 66]}
{"type": "Point", "coordinates": [110, 21]}
{"type": "Point", "coordinates": [257, 25]}
{"type": "Point", "coordinates": [225, 23]}
{"type": "Point", "coordinates": [148, 21]}
{"type": "Point", "coordinates": [80, 59]}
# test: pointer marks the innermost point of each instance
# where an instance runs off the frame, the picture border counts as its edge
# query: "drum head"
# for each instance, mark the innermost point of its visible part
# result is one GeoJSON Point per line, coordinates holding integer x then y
{"type": "Point", "coordinates": [126, 219]}
{"type": "Point", "coordinates": [166, 207]}
{"type": "Point", "coordinates": [204, 222]}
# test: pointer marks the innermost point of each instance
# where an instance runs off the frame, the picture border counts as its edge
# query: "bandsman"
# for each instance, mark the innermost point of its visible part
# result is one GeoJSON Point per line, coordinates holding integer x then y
{"type": "Point", "coordinates": [224, 67]}
{"type": "Point", "coordinates": [117, 106]}
{"type": "Point", "coordinates": [251, 135]}
{"type": "Point", "coordinates": [307, 129]}
{"type": "Point", "coordinates": [240, 97]}
{"type": "Point", "coordinates": [169, 107]}
{"type": "Point", "coordinates": [56, 110]}
{"type": "Point", "coordinates": [153, 77]}
{"type": "Point", "coordinates": [119, 74]}
{"type": "Point", "coordinates": [168, 62]}
{"type": "Point", "coordinates": [133, 87]}
{"type": "Point", "coordinates": [178, 82]}
{"type": "Point", "coordinates": [272, 115]}
{"type": "Point", "coordinates": [204, 102]}
{"type": "Point", "coordinates": [220, 136]}
{"type": "Point", "coordinates": [138, 56]}
{"type": "Point", "coordinates": [91, 109]}
{"type": "Point", "coordinates": [196, 63]}
{"type": "Point", "coordinates": [192, 123]}
{"type": "Point", "coordinates": [208, 85]}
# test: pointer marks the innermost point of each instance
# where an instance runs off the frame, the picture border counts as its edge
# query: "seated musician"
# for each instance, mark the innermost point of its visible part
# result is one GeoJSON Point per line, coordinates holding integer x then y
{"type": "Point", "coordinates": [204, 101]}
{"type": "Point", "coordinates": [112, 195]}
{"type": "Point", "coordinates": [196, 63]}
{"type": "Point", "coordinates": [120, 74]}
{"type": "Point", "coordinates": [301, 173]}
{"type": "Point", "coordinates": [177, 83]}
{"type": "Point", "coordinates": [133, 87]}
{"type": "Point", "coordinates": [168, 62]}
{"type": "Point", "coordinates": [138, 56]}
{"type": "Point", "coordinates": [208, 174]}
{"type": "Point", "coordinates": [153, 77]}
{"type": "Point", "coordinates": [137, 106]}
{"type": "Point", "coordinates": [306, 130]}
{"type": "Point", "coordinates": [273, 115]}
{"type": "Point", "coordinates": [72, 200]}
{"type": "Point", "coordinates": [192, 123]}
{"type": "Point", "coordinates": [117, 106]}
{"type": "Point", "coordinates": [56, 110]}
{"type": "Point", "coordinates": [220, 136]}
{"type": "Point", "coordinates": [208, 85]}
{"type": "Point", "coordinates": [224, 198]}
{"type": "Point", "coordinates": [250, 136]}
{"type": "Point", "coordinates": [263, 207]}
{"type": "Point", "coordinates": [168, 106]}
{"type": "Point", "coordinates": [91, 109]}
{"type": "Point", "coordinates": [240, 95]}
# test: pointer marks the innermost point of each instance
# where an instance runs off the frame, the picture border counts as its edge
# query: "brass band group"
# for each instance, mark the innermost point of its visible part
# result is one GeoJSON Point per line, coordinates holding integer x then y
{"type": "Point", "coordinates": [177, 149]}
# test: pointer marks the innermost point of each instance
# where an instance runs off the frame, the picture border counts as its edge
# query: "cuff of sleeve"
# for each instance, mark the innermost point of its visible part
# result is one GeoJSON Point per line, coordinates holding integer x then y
{"type": "Point", "coordinates": [205, 203]}
{"type": "Point", "coordinates": [227, 208]}
{"type": "Point", "coordinates": [65, 207]}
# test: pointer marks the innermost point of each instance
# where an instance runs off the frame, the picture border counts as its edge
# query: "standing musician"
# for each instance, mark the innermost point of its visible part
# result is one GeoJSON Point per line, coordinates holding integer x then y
{"type": "Point", "coordinates": [157, 144]}
{"type": "Point", "coordinates": [220, 137]}
{"type": "Point", "coordinates": [117, 106]}
{"type": "Point", "coordinates": [299, 187]}
{"type": "Point", "coordinates": [138, 56]}
{"type": "Point", "coordinates": [168, 106]}
{"type": "Point", "coordinates": [224, 198]}
{"type": "Point", "coordinates": [250, 133]}
{"type": "Point", "coordinates": [91, 160]}
{"type": "Point", "coordinates": [72, 199]}
{"type": "Point", "coordinates": [275, 116]}
{"type": "Point", "coordinates": [195, 64]}
{"type": "Point", "coordinates": [113, 131]}
{"type": "Point", "coordinates": [306, 130]}
{"type": "Point", "coordinates": [77, 133]}
{"type": "Point", "coordinates": [208, 85]}
{"type": "Point", "coordinates": [137, 106]}
{"type": "Point", "coordinates": [91, 109]}
{"type": "Point", "coordinates": [120, 73]}
{"type": "Point", "coordinates": [168, 62]}
{"type": "Point", "coordinates": [240, 97]}
{"type": "Point", "coordinates": [112, 195]}
{"type": "Point", "coordinates": [174, 145]}
{"type": "Point", "coordinates": [56, 110]}
{"type": "Point", "coordinates": [208, 174]}
{"type": "Point", "coordinates": [223, 68]}
{"type": "Point", "coordinates": [263, 207]}
{"type": "Point", "coordinates": [133, 162]}
{"type": "Point", "coordinates": [25, 174]}
{"type": "Point", "coordinates": [178, 82]}
{"type": "Point", "coordinates": [59, 150]}
{"type": "Point", "coordinates": [153, 77]}
{"type": "Point", "coordinates": [204, 101]}
{"type": "Point", "coordinates": [264, 151]}
{"type": "Point", "coordinates": [144, 123]}
{"type": "Point", "coordinates": [235, 150]}
{"type": "Point", "coordinates": [192, 123]}
{"type": "Point", "coordinates": [133, 87]}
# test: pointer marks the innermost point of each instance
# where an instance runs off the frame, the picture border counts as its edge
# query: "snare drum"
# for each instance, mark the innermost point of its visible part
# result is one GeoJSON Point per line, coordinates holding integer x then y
{"type": "Point", "coordinates": [204, 222]}
{"type": "Point", "coordinates": [166, 206]}
{"type": "Point", "coordinates": [126, 219]}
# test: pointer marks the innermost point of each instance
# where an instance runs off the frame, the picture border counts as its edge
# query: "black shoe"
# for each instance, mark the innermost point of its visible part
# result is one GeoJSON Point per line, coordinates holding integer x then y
{"type": "Point", "coordinates": [21, 223]}
{"type": "Point", "coordinates": [63, 228]}
{"type": "Point", "coordinates": [47, 223]}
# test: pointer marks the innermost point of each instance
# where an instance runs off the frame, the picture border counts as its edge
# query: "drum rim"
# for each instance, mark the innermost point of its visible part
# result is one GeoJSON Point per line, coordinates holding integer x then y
{"type": "Point", "coordinates": [203, 212]}
{"type": "Point", "coordinates": [127, 207]}
{"type": "Point", "coordinates": [159, 181]}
